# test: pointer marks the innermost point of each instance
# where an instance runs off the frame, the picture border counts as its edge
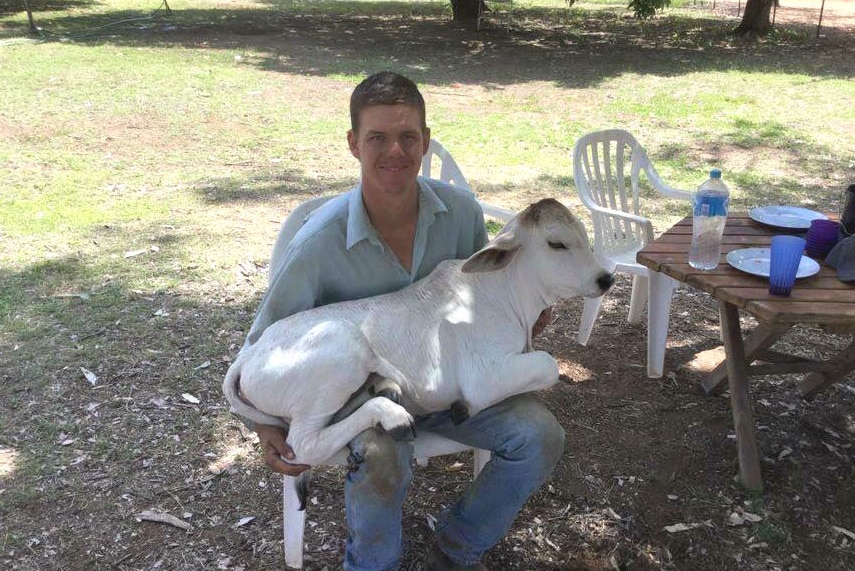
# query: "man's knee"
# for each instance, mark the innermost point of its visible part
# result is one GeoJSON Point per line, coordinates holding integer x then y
{"type": "Point", "coordinates": [379, 462]}
{"type": "Point", "coordinates": [539, 436]}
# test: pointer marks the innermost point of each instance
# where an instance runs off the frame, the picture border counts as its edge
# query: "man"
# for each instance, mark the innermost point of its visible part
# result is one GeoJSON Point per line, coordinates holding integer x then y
{"type": "Point", "coordinates": [386, 233]}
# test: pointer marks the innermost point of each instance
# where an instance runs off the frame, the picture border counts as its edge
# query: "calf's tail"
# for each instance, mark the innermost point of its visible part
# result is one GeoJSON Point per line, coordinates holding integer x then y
{"type": "Point", "coordinates": [303, 484]}
{"type": "Point", "coordinates": [239, 406]}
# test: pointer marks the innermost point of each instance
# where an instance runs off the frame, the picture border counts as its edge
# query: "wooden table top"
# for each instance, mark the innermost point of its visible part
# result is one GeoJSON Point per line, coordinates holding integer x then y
{"type": "Point", "coordinates": [819, 299]}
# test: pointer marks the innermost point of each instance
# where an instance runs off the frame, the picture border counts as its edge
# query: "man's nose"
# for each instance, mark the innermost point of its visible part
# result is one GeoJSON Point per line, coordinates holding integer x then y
{"type": "Point", "coordinates": [396, 148]}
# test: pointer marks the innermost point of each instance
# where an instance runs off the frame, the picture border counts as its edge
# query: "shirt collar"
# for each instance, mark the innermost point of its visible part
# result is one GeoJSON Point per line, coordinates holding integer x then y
{"type": "Point", "coordinates": [359, 226]}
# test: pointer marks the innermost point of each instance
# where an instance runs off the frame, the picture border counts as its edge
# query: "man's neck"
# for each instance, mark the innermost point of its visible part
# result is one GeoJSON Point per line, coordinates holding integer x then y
{"type": "Point", "coordinates": [395, 218]}
{"type": "Point", "coordinates": [392, 212]}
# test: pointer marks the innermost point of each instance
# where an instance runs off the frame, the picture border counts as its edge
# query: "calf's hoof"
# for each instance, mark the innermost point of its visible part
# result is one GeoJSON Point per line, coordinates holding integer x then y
{"type": "Point", "coordinates": [459, 413]}
{"type": "Point", "coordinates": [403, 433]}
{"type": "Point", "coordinates": [386, 388]}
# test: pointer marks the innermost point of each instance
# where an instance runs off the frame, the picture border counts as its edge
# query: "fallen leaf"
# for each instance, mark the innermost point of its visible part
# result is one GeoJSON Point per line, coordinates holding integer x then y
{"type": "Point", "coordinates": [90, 376]}
{"type": "Point", "coordinates": [456, 467]}
{"type": "Point", "coordinates": [166, 518]}
{"type": "Point", "coordinates": [737, 519]}
{"type": "Point", "coordinates": [84, 296]}
{"type": "Point", "coordinates": [845, 532]}
{"type": "Point", "coordinates": [677, 527]}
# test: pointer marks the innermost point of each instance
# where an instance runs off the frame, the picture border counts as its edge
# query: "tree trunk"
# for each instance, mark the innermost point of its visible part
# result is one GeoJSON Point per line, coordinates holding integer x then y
{"type": "Point", "coordinates": [30, 16]}
{"type": "Point", "coordinates": [465, 10]}
{"type": "Point", "coordinates": [755, 19]}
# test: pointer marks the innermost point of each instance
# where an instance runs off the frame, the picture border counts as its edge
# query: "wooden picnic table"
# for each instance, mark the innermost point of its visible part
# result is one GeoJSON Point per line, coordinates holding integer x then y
{"type": "Point", "coordinates": [821, 300]}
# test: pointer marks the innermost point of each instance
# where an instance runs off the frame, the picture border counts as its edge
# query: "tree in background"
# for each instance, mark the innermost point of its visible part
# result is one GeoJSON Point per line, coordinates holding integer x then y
{"type": "Point", "coordinates": [644, 9]}
{"type": "Point", "coordinates": [466, 10]}
{"type": "Point", "coordinates": [755, 19]}
{"type": "Point", "coordinates": [30, 16]}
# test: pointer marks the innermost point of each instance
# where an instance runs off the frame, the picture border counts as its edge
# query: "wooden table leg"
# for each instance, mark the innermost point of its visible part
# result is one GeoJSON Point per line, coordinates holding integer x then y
{"type": "Point", "coordinates": [843, 365]}
{"type": "Point", "coordinates": [740, 400]}
{"type": "Point", "coordinates": [763, 337]}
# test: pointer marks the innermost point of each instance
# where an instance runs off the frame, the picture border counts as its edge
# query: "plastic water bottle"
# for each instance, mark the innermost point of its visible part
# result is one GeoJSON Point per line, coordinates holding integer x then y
{"type": "Point", "coordinates": [709, 216]}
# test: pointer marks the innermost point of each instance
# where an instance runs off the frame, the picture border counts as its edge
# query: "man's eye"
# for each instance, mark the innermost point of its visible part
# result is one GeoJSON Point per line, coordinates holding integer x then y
{"type": "Point", "coordinates": [557, 245]}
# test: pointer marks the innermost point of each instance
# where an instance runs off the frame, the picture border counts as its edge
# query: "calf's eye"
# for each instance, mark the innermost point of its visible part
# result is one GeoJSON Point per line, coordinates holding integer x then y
{"type": "Point", "coordinates": [557, 245]}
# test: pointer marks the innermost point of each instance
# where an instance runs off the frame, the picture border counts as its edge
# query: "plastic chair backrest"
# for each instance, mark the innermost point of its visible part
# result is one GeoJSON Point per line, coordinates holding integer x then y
{"type": "Point", "coordinates": [447, 169]}
{"type": "Point", "coordinates": [437, 163]}
{"type": "Point", "coordinates": [606, 168]}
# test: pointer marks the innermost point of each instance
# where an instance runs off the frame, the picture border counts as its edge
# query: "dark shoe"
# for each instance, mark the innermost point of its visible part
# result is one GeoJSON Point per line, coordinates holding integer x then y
{"type": "Point", "coordinates": [436, 560]}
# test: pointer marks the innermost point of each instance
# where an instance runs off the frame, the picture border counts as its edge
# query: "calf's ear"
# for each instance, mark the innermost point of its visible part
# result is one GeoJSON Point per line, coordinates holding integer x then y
{"type": "Point", "coordinates": [497, 254]}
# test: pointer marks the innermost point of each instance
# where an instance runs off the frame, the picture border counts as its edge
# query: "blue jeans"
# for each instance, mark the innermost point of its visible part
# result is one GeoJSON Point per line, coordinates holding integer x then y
{"type": "Point", "coordinates": [526, 442]}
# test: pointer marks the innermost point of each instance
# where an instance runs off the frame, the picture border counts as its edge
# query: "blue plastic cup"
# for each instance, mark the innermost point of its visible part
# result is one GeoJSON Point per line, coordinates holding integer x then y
{"type": "Point", "coordinates": [785, 257]}
{"type": "Point", "coordinates": [821, 237]}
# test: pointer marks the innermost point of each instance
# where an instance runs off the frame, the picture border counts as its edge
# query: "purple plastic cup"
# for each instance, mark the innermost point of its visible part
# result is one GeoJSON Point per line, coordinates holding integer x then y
{"type": "Point", "coordinates": [785, 257]}
{"type": "Point", "coordinates": [821, 237]}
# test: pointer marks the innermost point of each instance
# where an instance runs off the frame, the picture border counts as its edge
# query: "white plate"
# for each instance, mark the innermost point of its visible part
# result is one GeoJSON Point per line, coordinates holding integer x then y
{"type": "Point", "coordinates": [756, 261]}
{"type": "Point", "coordinates": [785, 216]}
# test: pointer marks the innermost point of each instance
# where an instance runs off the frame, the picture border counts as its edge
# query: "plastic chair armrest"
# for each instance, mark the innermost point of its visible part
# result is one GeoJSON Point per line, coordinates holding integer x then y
{"type": "Point", "coordinates": [675, 193]}
{"type": "Point", "coordinates": [496, 212]}
{"type": "Point", "coordinates": [645, 223]}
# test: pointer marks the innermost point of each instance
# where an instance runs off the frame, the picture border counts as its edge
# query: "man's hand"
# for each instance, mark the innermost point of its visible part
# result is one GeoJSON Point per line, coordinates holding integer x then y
{"type": "Point", "coordinates": [273, 447]}
{"type": "Point", "coordinates": [542, 322]}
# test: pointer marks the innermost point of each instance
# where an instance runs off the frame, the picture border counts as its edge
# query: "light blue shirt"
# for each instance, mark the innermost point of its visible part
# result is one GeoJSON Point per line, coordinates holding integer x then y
{"type": "Point", "coordinates": [338, 255]}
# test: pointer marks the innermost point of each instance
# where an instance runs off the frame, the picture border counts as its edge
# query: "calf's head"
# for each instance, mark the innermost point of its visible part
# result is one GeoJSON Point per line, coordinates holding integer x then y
{"type": "Point", "coordinates": [551, 248]}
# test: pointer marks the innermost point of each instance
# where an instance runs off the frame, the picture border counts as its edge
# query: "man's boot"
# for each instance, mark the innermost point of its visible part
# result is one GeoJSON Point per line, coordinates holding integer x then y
{"type": "Point", "coordinates": [439, 561]}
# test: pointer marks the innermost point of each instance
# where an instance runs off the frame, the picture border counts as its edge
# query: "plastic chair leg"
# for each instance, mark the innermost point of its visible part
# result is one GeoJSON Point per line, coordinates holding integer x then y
{"type": "Point", "coordinates": [590, 311]}
{"type": "Point", "coordinates": [658, 316]}
{"type": "Point", "coordinates": [294, 521]}
{"type": "Point", "coordinates": [481, 459]}
{"type": "Point", "coordinates": [293, 525]}
{"type": "Point", "coordinates": [638, 298]}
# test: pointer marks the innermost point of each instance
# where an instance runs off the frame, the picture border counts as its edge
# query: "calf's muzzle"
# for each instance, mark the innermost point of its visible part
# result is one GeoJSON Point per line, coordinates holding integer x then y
{"type": "Point", "coordinates": [605, 281]}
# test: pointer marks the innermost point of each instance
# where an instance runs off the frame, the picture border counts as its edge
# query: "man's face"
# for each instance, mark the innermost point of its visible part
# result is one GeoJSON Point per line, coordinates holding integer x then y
{"type": "Point", "coordinates": [390, 145]}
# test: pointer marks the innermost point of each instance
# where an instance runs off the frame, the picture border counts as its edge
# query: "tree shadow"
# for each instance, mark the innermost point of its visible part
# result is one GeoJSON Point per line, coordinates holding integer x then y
{"type": "Point", "coordinates": [9, 7]}
{"type": "Point", "coordinates": [287, 185]}
{"type": "Point", "coordinates": [572, 48]}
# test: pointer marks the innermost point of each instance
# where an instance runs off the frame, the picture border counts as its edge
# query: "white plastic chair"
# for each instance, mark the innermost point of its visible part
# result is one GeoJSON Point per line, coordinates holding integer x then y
{"type": "Point", "coordinates": [448, 171]}
{"type": "Point", "coordinates": [438, 164]}
{"type": "Point", "coordinates": [606, 169]}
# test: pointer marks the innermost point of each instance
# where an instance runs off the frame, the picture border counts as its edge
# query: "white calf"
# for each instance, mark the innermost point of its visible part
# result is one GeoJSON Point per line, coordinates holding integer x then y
{"type": "Point", "coordinates": [461, 335]}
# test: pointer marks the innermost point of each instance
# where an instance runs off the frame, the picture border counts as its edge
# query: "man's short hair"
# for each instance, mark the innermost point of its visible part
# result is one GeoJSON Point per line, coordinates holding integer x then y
{"type": "Point", "coordinates": [385, 88]}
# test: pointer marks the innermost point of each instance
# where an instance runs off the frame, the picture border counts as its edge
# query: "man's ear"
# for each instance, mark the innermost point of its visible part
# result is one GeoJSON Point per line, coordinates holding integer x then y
{"type": "Point", "coordinates": [426, 144]}
{"type": "Point", "coordinates": [352, 140]}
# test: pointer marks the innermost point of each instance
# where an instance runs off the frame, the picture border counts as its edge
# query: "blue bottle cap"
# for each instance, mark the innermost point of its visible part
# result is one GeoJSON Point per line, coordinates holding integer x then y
{"type": "Point", "coordinates": [715, 173]}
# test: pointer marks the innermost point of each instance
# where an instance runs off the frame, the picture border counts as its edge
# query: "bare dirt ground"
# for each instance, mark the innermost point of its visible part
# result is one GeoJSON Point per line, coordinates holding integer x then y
{"type": "Point", "coordinates": [641, 454]}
